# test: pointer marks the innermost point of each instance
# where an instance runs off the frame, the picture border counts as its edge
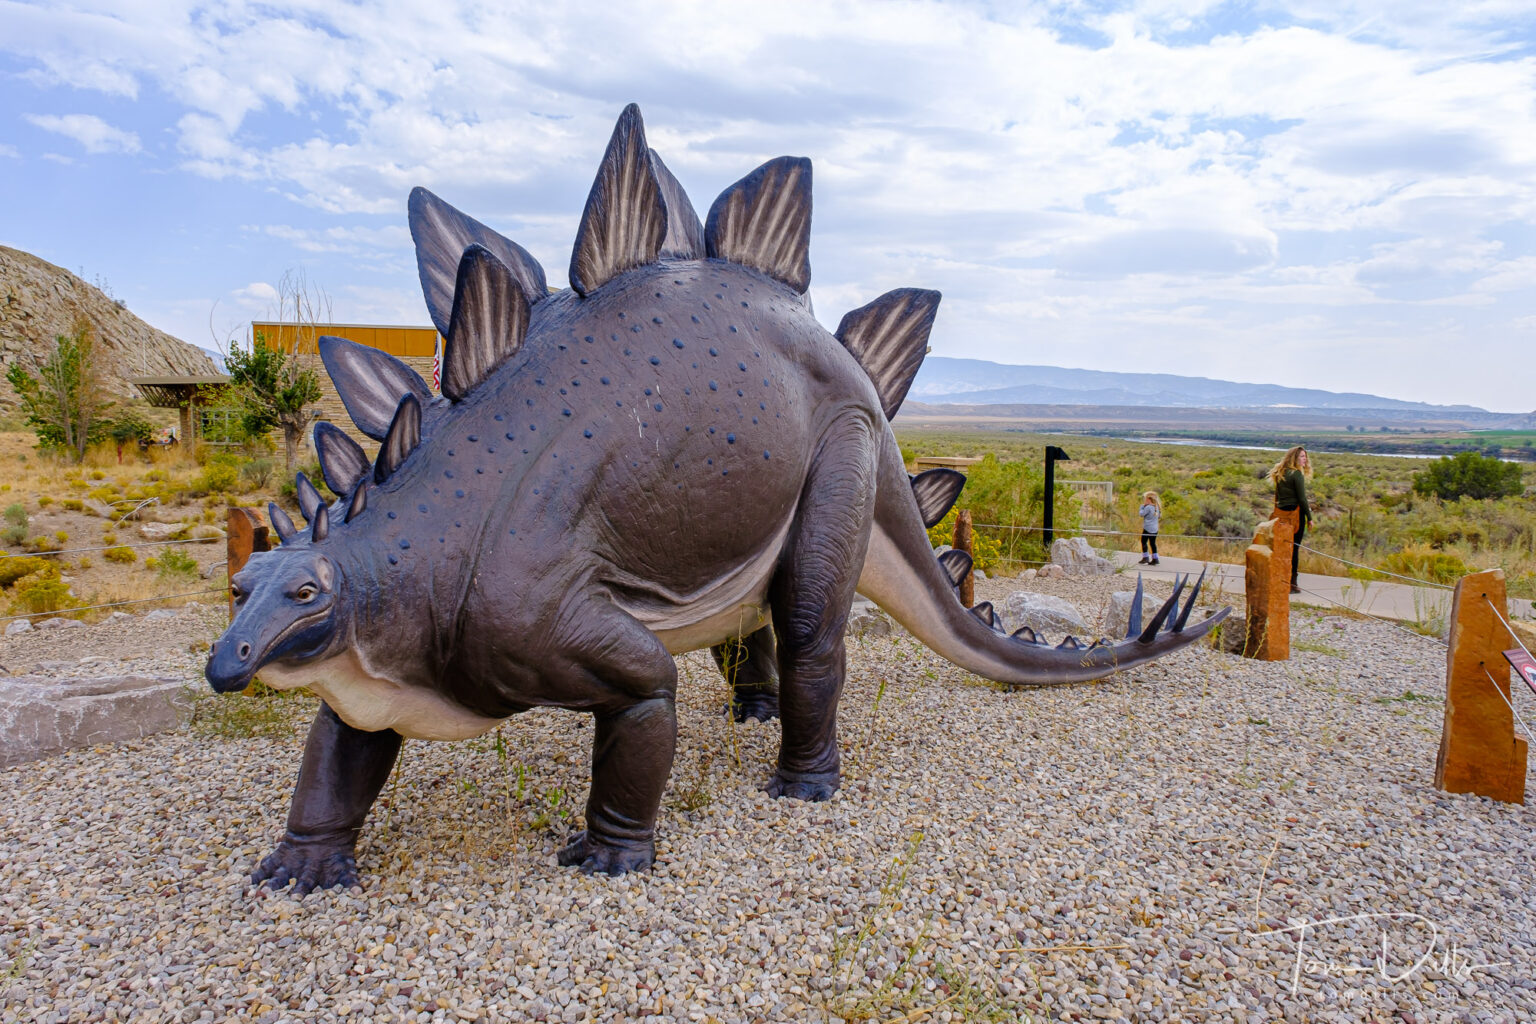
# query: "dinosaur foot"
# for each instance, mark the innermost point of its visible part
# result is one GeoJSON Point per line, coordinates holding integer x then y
{"type": "Point", "coordinates": [816, 787]}
{"type": "Point", "coordinates": [309, 866]}
{"type": "Point", "coordinates": [762, 706]}
{"type": "Point", "coordinates": [595, 856]}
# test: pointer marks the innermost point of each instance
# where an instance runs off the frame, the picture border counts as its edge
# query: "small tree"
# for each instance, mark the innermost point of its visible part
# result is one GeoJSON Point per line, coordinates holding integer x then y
{"type": "Point", "coordinates": [1469, 475]}
{"type": "Point", "coordinates": [65, 402]}
{"type": "Point", "coordinates": [275, 388]}
{"type": "Point", "coordinates": [130, 428]}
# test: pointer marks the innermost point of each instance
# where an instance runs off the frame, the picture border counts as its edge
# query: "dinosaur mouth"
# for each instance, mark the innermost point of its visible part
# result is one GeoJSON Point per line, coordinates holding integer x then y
{"type": "Point", "coordinates": [232, 665]}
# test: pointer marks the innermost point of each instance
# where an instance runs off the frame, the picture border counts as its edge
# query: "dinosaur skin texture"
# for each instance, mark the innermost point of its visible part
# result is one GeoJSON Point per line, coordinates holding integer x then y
{"type": "Point", "coordinates": [672, 454]}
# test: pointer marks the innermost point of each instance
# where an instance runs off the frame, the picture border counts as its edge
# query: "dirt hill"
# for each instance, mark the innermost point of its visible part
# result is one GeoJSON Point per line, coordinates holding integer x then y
{"type": "Point", "coordinates": [39, 301]}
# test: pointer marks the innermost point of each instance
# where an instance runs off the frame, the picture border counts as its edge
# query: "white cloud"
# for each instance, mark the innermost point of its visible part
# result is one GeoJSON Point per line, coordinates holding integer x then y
{"type": "Point", "coordinates": [1209, 170]}
{"type": "Point", "coordinates": [94, 134]}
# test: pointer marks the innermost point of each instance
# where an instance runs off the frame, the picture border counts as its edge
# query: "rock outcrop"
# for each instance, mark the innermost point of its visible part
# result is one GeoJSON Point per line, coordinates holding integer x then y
{"type": "Point", "coordinates": [39, 301]}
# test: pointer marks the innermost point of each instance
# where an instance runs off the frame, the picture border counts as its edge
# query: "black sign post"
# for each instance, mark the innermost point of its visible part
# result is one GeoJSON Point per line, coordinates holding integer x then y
{"type": "Point", "coordinates": [1053, 455]}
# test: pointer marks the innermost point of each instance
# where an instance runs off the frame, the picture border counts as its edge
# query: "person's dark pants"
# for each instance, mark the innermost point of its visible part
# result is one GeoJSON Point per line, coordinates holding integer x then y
{"type": "Point", "coordinates": [1149, 543]}
{"type": "Point", "coordinates": [1301, 533]}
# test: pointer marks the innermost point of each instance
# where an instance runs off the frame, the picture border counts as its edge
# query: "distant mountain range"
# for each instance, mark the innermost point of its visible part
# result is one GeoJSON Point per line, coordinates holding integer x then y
{"type": "Point", "coordinates": [946, 381]}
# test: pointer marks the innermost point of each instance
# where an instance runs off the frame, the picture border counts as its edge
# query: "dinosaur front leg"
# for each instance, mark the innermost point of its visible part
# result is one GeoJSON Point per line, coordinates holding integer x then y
{"type": "Point", "coordinates": [343, 770]}
{"type": "Point", "coordinates": [810, 597]}
{"type": "Point", "coordinates": [750, 665]}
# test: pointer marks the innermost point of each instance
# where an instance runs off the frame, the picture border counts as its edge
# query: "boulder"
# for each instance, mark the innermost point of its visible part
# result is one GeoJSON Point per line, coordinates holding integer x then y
{"type": "Point", "coordinates": [160, 615]}
{"type": "Point", "coordinates": [1078, 559]}
{"type": "Point", "coordinates": [1029, 574]}
{"type": "Point", "coordinates": [1230, 634]}
{"type": "Point", "coordinates": [866, 620]}
{"type": "Point", "coordinates": [41, 716]}
{"type": "Point", "coordinates": [98, 508]}
{"type": "Point", "coordinates": [1117, 616]}
{"type": "Point", "coordinates": [60, 624]}
{"type": "Point", "coordinates": [116, 618]}
{"type": "Point", "coordinates": [159, 531]}
{"type": "Point", "coordinates": [1043, 613]}
{"type": "Point", "coordinates": [18, 626]}
{"type": "Point", "coordinates": [1051, 572]}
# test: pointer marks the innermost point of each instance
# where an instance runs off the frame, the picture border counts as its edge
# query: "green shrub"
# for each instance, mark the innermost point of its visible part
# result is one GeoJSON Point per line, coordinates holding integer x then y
{"type": "Point", "coordinates": [1426, 563]}
{"type": "Point", "coordinates": [257, 474]}
{"type": "Point", "coordinates": [121, 555]}
{"type": "Point", "coordinates": [17, 566]}
{"type": "Point", "coordinates": [176, 564]}
{"type": "Point", "coordinates": [986, 550]}
{"type": "Point", "coordinates": [220, 474]}
{"type": "Point", "coordinates": [42, 592]}
{"type": "Point", "coordinates": [73, 504]}
{"type": "Point", "coordinates": [17, 523]}
{"type": "Point", "coordinates": [1469, 475]}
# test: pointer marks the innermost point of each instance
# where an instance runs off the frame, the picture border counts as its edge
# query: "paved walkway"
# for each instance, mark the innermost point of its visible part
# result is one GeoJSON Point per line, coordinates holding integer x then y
{"type": "Point", "coordinates": [1401, 601]}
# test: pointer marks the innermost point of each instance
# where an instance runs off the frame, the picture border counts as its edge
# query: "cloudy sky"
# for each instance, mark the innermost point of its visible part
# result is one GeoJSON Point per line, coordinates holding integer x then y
{"type": "Point", "coordinates": [1318, 193]}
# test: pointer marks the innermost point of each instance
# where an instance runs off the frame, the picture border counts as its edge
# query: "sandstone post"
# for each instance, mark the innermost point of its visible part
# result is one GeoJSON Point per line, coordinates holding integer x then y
{"type": "Point", "coordinates": [1479, 751]}
{"type": "Point", "coordinates": [1267, 585]}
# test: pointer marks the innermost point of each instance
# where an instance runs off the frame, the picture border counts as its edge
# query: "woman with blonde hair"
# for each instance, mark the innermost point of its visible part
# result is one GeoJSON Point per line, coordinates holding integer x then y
{"type": "Point", "coordinates": [1290, 477]}
{"type": "Point", "coordinates": [1151, 514]}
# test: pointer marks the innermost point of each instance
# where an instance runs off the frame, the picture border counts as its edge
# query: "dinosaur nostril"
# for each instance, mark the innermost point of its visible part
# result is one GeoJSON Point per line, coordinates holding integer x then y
{"type": "Point", "coordinates": [243, 651]}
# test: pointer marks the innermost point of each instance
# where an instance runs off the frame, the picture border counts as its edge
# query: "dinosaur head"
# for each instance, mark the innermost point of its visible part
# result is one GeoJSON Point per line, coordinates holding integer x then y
{"type": "Point", "coordinates": [288, 609]}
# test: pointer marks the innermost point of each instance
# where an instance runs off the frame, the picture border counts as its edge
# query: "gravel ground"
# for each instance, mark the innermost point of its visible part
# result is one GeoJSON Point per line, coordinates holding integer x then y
{"type": "Point", "coordinates": [1125, 849]}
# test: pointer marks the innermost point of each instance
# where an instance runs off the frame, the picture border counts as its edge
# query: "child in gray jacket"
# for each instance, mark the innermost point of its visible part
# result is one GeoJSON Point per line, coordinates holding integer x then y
{"type": "Point", "coordinates": [1151, 517]}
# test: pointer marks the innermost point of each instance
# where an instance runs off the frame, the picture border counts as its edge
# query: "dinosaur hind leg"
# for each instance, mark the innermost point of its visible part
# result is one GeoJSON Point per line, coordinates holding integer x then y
{"type": "Point", "coordinates": [750, 665]}
{"type": "Point", "coordinates": [810, 596]}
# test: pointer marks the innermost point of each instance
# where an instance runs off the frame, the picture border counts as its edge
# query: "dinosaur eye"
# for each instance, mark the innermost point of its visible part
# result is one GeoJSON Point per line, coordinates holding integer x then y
{"type": "Point", "coordinates": [236, 594]}
{"type": "Point", "coordinates": [305, 594]}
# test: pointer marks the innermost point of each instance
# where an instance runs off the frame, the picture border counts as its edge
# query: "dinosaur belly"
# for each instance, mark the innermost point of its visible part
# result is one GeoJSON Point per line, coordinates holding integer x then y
{"type": "Point", "coordinates": [735, 603]}
{"type": "Point", "coordinates": [371, 703]}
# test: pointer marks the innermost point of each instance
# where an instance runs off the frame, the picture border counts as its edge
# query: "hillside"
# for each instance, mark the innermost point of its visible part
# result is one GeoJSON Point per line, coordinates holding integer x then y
{"type": "Point", "coordinates": [39, 301]}
{"type": "Point", "coordinates": [948, 381]}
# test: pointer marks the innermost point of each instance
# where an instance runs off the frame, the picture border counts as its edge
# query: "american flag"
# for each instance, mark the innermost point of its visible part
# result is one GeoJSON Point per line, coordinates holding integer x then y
{"type": "Point", "coordinates": [437, 363]}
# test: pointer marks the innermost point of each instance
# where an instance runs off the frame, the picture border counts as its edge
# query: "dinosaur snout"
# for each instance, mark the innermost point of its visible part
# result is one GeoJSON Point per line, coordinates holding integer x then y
{"type": "Point", "coordinates": [230, 665]}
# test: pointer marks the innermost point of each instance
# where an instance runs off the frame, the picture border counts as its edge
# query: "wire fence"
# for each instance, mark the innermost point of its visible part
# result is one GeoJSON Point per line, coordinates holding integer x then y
{"type": "Point", "coordinates": [109, 547]}
{"type": "Point", "coordinates": [66, 612]}
{"type": "Point", "coordinates": [1358, 567]}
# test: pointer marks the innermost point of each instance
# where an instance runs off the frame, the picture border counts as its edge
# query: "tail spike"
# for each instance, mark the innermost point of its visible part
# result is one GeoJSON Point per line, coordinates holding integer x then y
{"type": "Point", "coordinates": [1133, 627]}
{"type": "Point", "coordinates": [1070, 643]}
{"type": "Point", "coordinates": [1158, 619]}
{"type": "Point", "coordinates": [286, 531]}
{"type": "Point", "coordinates": [1189, 606]}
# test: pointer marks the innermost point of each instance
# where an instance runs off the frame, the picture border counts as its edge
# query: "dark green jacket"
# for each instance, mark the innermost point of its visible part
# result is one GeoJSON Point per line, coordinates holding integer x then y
{"type": "Point", "coordinates": [1291, 491]}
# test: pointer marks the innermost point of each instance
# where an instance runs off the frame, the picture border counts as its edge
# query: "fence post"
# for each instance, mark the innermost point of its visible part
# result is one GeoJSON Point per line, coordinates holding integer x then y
{"type": "Point", "coordinates": [1479, 751]}
{"type": "Point", "coordinates": [963, 543]}
{"type": "Point", "coordinates": [245, 534]}
{"type": "Point", "coordinates": [1267, 587]}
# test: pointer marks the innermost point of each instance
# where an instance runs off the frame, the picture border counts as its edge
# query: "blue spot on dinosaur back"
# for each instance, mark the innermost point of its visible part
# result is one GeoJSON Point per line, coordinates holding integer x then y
{"type": "Point", "coordinates": [765, 453]}
{"type": "Point", "coordinates": [404, 544]}
{"type": "Point", "coordinates": [740, 366]}
{"type": "Point", "coordinates": [730, 438]}
{"type": "Point", "coordinates": [603, 380]}
{"type": "Point", "coordinates": [677, 343]}
{"type": "Point", "coordinates": [394, 560]}
{"type": "Point", "coordinates": [714, 351]}
{"type": "Point", "coordinates": [474, 437]}
{"type": "Point", "coordinates": [713, 386]}
{"type": "Point", "coordinates": [422, 509]}
{"type": "Point", "coordinates": [655, 361]}
{"type": "Point", "coordinates": [458, 494]}
{"type": "Point", "coordinates": [448, 472]}
{"type": "Point", "coordinates": [586, 433]}
{"type": "Point", "coordinates": [509, 436]}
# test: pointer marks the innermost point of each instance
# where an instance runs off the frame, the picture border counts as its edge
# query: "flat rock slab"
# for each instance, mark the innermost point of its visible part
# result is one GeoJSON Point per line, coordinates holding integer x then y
{"type": "Point", "coordinates": [42, 716]}
{"type": "Point", "coordinates": [1044, 613]}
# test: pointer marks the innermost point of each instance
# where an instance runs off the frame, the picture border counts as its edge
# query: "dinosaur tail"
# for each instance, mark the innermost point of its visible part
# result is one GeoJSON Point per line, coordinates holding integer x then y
{"type": "Point", "coordinates": [903, 577]}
